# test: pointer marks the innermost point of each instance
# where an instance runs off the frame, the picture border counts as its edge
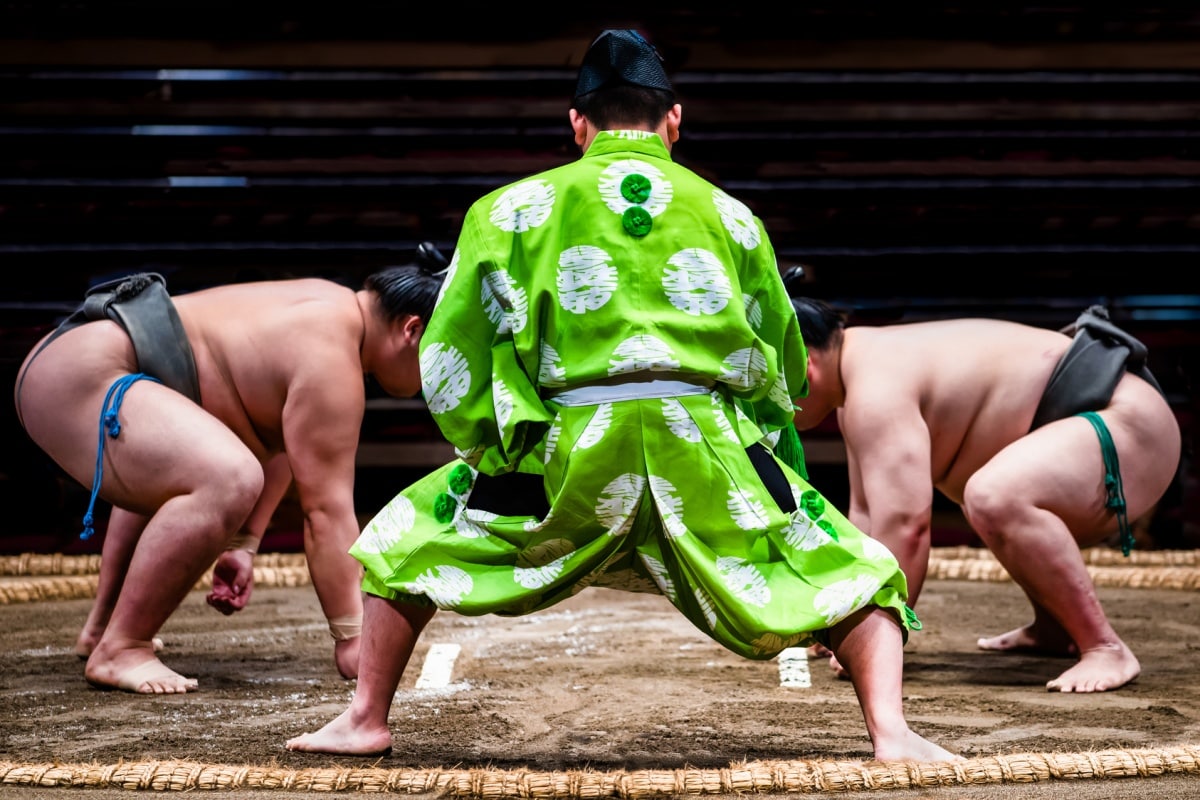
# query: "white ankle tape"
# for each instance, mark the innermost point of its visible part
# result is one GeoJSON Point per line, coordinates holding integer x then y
{"type": "Point", "coordinates": [344, 628]}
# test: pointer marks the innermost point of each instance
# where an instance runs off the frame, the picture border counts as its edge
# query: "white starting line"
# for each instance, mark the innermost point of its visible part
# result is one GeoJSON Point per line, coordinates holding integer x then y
{"type": "Point", "coordinates": [793, 668]}
{"type": "Point", "coordinates": [438, 668]}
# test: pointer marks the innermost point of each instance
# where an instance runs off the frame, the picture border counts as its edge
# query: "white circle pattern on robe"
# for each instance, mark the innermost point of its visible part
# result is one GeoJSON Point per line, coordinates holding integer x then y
{"type": "Point", "coordinates": [661, 190]}
{"type": "Point", "coordinates": [471, 524]}
{"type": "Point", "coordinates": [670, 506]}
{"type": "Point", "coordinates": [538, 577]}
{"type": "Point", "coordinates": [551, 442]}
{"type": "Point", "coordinates": [451, 271]}
{"type": "Point", "coordinates": [804, 534]}
{"type": "Point", "coordinates": [536, 524]}
{"type": "Point", "coordinates": [706, 607]}
{"type": "Point", "coordinates": [597, 426]}
{"type": "Point", "coordinates": [754, 311]}
{"type": "Point", "coordinates": [505, 303]}
{"type": "Point", "coordinates": [523, 206]}
{"type": "Point", "coordinates": [843, 598]}
{"type": "Point", "coordinates": [723, 423]}
{"type": "Point", "coordinates": [737, 218]}
{"type": "Point", "coordinates": [744, 368]}
{"type": "Point", "coordinates": [642, 353]}
{"type": "Point", "coordinates": [780, 394]}
{"type": "Point", "coordinates": [388, 526]}
{"type": "Point", "coordinates": [699, 284]}
{"type": "Point", "coordinates": [445, 586]}
{"type": "Point", "coordinates": [658, 571]}
{"type": "Point", "coordinates": [747, 513]}
{"type": "Point", "coordinates": [741, 415]}
{"type": "Point", "coordinates": [470, 455]}
{"type": "Point", "coordinates": [445, 376]}
{"type": "Point", "coordinates": [618, 501]}
{"type": "Point", "coordinates": [679, 422]}
{"type": "Point", "coordinates": [502, 402]}
{"type": "Point", "coordinates": [744, 581]}
{"type": "Point", "coordinates": [550, 369]}
{"type": "Point", "coordinates": [586, 279]}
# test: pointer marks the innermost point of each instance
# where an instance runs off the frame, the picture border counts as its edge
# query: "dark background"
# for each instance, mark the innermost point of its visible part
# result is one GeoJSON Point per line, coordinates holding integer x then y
{"type": "Point", "coordinates": [1008, 160]}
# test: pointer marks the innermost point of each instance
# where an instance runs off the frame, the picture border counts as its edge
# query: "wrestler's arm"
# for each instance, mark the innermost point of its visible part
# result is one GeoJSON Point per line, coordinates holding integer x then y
{"type": "Point", "coordinates": [858, 512]}
{"type": "Point", "coordinates": [888, 445]}
{"type": "Point", "coordinates": [322, 419]}
{"type": "Point", "coordinates": [233, 574]}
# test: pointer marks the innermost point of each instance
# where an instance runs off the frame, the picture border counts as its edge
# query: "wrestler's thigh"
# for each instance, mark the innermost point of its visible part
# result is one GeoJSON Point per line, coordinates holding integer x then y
{"type": "Point", "coordinates": [166, 445]}
{"type": "Point", "coordinates": [170, 446]}
{"type": "Point", "coordinates": [1058, 468]}
{"type": "Point", "coordinates": [61, 389]}
{"type": "Point", "coordinates": [1146, 434]}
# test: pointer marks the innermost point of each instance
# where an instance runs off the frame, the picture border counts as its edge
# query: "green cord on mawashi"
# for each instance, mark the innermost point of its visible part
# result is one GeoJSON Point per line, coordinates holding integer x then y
{"type": "Point", "coordinates": [1112, 479]}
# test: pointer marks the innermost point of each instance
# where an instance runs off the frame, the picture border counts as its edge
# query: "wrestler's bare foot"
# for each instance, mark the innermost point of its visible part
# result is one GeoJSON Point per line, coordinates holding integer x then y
{"type": "Point", "coordinates": [1030, 639]}
{"type": "Point", "coordinates": [86, 643]}
{"type": "Point", "coordinates": [134, 669]}
{"type": "Point", "coordinates": [343, 737]}
{"type": "Point", "coordinates": [1099, 670]}
{"type": "Point", "coordinates": [908, 746]}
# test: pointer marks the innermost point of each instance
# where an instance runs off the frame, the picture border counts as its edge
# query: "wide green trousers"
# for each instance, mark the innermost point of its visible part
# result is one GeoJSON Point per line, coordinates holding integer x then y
{"type": "Point", "coordinates": [660, 495]}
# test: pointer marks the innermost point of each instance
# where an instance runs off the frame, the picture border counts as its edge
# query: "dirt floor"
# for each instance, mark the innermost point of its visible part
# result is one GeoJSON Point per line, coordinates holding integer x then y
{"type": "Point", "coordinates": [604, 684]}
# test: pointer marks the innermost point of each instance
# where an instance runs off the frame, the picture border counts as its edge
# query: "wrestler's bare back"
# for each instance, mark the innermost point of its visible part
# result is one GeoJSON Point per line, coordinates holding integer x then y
{"type": "Point", "coordinates": [977, 383]}
{"type": "Point", "coordinates": [269, 356]}
{"type": "Point", "coordinates": [261, 346]}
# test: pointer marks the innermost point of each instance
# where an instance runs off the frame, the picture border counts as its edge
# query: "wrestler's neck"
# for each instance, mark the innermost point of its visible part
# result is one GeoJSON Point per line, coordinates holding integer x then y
{"type": "Point", "coordinates": [837, 388]}
{"type": "Point", "coordinates": [366, 302]}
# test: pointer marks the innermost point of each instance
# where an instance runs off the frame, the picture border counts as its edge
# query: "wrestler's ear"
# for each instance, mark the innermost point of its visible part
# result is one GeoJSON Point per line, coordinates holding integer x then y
{"type": "Point", "coordinates": [412, 327]}
{"type": "Point", "coordinates": [816, 375]}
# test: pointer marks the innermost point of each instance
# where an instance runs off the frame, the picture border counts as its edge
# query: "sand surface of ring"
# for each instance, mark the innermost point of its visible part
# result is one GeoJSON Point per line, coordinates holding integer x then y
{"type": "Point", "coordinates": [606, 681]}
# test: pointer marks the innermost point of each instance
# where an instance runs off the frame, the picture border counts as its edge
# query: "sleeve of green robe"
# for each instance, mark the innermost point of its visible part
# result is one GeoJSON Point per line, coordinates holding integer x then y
{"type": "Point", "coordinates": [770, 312]}
{"type": "Point", "coordinates": [477, 386]}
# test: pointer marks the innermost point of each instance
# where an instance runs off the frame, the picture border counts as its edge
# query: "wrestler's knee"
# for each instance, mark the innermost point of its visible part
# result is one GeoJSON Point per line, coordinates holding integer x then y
{"type": "Point", "coordinates": [230, 491]}
{"type": "Point", "coordinates": [988, 506]}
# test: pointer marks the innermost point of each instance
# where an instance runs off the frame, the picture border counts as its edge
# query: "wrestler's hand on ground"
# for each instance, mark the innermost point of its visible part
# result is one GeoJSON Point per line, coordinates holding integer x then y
{"type": "Point", "coordinates": [232, 581]}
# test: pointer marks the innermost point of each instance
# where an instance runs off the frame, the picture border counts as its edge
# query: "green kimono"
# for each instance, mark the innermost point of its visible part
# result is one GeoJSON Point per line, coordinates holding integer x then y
{"type": "Point", "coordinates": [613, 356]}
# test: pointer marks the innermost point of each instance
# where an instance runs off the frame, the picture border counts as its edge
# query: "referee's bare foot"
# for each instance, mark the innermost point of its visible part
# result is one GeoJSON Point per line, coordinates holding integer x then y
{"type": "Point", "coordinates": [342, 737]}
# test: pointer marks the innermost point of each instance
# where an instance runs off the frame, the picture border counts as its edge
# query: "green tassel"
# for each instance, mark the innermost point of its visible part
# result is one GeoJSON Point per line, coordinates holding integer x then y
{"type": "Point", "coordinates": [790, 451]}
{"type": "Point", "coordinates": [911, 621]}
